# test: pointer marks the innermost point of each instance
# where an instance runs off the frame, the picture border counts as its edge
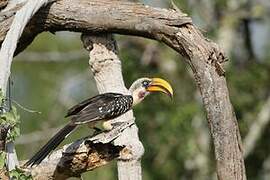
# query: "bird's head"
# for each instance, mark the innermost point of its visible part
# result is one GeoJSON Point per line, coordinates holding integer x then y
{"type": "Point", "coordinates": [144, 86]}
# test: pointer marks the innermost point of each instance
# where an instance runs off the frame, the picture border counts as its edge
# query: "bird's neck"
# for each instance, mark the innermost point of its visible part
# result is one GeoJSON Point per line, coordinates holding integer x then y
{"type": "Point", "coordinates": [138, 95]}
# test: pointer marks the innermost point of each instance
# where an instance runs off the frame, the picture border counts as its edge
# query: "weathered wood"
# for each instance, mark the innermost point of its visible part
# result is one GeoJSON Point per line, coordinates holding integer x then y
{"type": "Point", "coordinates": [83, 155]}
{"type": "Point", "coordinates": [177, 31]}
{"type": "Point", "coordinates": [106, 67]}
{"type": "Point", "coordinates": [98, 16]}
{"type": "Point", "coordinates": [74, 159]}
{"type": "Point", "coordinates": [3, 4]}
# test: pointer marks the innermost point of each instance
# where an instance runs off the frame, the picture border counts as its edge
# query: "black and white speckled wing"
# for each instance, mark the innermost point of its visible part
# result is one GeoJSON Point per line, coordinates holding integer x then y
{"type": "Point", "coordinates": [91, 101]}
{"type": "Point", "coordinates": [101, 107]}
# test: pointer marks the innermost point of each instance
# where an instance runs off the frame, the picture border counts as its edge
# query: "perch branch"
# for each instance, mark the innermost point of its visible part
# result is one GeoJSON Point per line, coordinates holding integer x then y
{"type": "Point", "coordinates": [74, 159]}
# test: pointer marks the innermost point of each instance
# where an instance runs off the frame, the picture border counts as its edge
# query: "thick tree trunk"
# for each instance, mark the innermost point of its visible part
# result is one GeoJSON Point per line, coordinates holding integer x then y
{"type": "Point", "coordinates": [106, 67]}
{"type": "Point", "coordinates": [177, 31]}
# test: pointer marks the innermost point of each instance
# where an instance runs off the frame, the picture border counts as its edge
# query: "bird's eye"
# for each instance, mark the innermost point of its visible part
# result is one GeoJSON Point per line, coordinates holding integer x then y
{"type": "Point", "coordinates": [145, 83]}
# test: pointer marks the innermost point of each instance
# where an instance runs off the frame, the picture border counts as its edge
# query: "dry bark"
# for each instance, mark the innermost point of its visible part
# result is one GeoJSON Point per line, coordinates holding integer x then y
{"type": "Point", "coordinates": [83, 155]}
{"type": "Point", "coordinates": [74, 159]}
{"type": "Point", "coordinates": [106, 67]}
{"type": "Point", "coordinates": [177, 31]}
{"type": "Point", "coordinates": [3, 4]}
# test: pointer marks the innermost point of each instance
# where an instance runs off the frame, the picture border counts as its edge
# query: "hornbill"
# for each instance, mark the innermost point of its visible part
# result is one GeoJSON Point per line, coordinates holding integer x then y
{"type": "Point", "coordinates": [102, 108]}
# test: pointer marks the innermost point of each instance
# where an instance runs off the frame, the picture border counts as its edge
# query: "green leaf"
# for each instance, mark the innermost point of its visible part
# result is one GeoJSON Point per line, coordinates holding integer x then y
{"type": "Point", "coordinates": [11, 118]}
{"type": "Point", "coordinates": [19, 174]}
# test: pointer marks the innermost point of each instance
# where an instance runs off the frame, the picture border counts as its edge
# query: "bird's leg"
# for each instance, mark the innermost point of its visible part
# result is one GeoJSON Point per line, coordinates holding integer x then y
{"type": "Point", "coordinates": [107, 125]}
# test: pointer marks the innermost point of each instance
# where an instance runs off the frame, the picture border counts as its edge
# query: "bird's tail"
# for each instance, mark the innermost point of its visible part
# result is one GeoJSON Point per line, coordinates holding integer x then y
{"type": "Point", "coordinates": [51, 145]}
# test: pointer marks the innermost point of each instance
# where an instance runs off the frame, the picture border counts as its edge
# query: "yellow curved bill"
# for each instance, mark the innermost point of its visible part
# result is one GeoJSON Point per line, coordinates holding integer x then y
{"type": "Point", "coordinates": [160, 85]}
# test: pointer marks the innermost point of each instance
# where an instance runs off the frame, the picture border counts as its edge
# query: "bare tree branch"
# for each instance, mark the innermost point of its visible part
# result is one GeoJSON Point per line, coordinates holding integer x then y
{"type": "Point", "coordinates": [82, 155]}
{"type": "Point", "coordinates": [74, 159]}
{"type": "Point", "coordinates": [106, 67]}
{"type": "Point", "coordinates": [98, 16]}
{"type": "Point", "coordinates": [16, 29]}
{"type": "Point", "coordinates": [177, 31]}
{"type": "Point", "coordinates": [3, 4]}
{"type": "Point", "coordinates": [8, 48]}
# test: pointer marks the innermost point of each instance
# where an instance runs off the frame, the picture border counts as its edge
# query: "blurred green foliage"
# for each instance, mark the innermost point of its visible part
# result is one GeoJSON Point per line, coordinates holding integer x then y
{"type": "Point", "coordinates": [18, 174]}
{"type": "Point", "coordinates": [174, 133]}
